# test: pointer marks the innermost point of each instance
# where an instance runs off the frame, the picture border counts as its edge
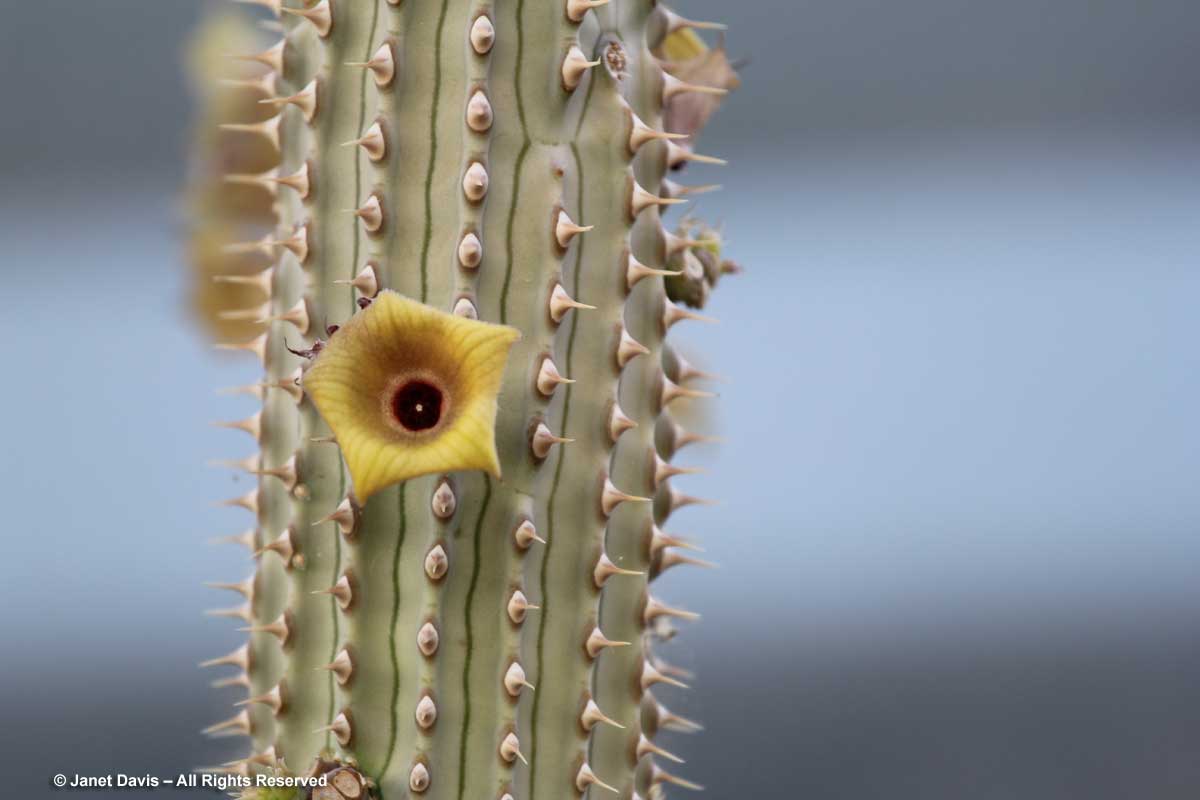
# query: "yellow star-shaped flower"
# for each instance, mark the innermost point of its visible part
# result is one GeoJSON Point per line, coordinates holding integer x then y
{"type": "Point", "coordinates": [409, 390]}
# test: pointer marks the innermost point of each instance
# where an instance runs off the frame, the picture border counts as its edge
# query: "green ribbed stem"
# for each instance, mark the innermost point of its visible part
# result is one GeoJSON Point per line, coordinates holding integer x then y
{"type": "Point", "coordinates": [355, 675]}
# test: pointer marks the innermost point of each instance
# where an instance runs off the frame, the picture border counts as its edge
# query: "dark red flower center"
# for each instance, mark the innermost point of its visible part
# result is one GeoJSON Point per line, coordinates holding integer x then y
{"type": "Point", "coordinates": [417, 405]}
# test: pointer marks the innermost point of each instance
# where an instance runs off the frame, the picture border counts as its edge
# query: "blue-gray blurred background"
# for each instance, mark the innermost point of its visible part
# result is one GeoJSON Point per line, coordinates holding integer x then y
{"type": "Point", "coordinates": [960, 530]}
